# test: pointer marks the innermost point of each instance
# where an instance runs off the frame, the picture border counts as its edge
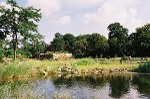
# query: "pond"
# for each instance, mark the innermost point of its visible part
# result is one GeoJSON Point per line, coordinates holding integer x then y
{"type": "Point", "coordinates": [106, 86]}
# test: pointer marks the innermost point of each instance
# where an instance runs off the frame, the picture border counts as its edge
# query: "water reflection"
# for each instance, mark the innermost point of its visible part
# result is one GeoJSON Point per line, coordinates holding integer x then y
{"type": "Point", "coordinates": [110, 86]}
{"type": "Point", "coordinates": [142, 83]}
{"type": "Point", "coordinates": [119, 85]}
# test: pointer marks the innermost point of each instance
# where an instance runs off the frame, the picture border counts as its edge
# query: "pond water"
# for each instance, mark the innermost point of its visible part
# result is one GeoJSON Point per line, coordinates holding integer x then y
{"type": "Point", "coordinates": [108, 86]}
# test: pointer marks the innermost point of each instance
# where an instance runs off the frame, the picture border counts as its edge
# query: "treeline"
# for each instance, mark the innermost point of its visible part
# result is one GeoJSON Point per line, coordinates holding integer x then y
{"type": "Point", "coordinates": [119, 43]}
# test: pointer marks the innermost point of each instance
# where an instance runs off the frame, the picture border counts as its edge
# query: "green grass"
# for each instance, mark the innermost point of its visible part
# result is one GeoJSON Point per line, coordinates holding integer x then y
{"type": "Point", "coordinates": [15, 69]}
{"type": "Point", "coordinates": [30, 67]}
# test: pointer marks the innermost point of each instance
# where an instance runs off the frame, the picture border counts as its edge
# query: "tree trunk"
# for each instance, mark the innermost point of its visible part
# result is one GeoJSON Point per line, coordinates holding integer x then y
{"type": "Point", "coordinates": [15, 45]}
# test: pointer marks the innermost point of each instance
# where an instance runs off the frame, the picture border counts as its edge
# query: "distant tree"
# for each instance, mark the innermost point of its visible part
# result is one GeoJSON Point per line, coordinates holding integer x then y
{"type": "Point", "coordinates": [58, 42]}
{"type": "Point", "coordinates": [141, 41]}
{"type": "Point", "coordinates": [17, 21]}
{"type": "Point", "coordinates": [80, 46]}
{"type": "Point", "coordinates": [69, 40]}
{"type": "Point", "coordinates": [97, 45]}
{"type": "Point", "coordinates": [119, 34]}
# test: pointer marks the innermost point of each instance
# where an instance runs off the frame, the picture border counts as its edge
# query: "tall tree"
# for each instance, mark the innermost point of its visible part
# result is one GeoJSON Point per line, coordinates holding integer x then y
{"type": "Point", "coordinates": [58, 42]}
{"type": "Point", "coordinates": [97, 45]}
{"type": "Point", "coordinates": [18, 21]}
{"type": "Point", "coordinates": [69, 42]}
{"type": "Point", "coordinates": [120, 35]}
{"type": "Point", "coordinates": [80, 46]}
{"type": "Point", "coordinates": [141, 41]}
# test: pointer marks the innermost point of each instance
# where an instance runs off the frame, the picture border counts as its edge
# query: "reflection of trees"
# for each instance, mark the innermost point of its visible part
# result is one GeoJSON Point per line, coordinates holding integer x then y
{"type": "Point", "coordinates": [84, 80]}
{"type": "Point", "coordinates": [143, 83]}
{"type": "Point", "coordinates": [119, 85]}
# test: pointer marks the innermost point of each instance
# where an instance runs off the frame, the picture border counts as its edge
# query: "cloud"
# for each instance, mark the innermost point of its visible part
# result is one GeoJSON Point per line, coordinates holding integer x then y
{"type": "Point", "coordinates": [82, 3]}
{"type": "Point", "coordinates": [47, 6]}
{"type": "Point", "coordinates": [65, 20]}
{"type": "Point", "coordinates": [110, 12]}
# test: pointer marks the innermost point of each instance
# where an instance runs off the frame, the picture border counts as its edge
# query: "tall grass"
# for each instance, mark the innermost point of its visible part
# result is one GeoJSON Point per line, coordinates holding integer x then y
{"type": "Point", "coordinates": [14, 69]}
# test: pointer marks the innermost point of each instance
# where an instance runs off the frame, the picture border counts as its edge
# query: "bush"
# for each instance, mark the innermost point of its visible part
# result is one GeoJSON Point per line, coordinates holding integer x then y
{"type": "Point", "coordinates": [9, 53]}
{"type": "Point", "coordinates": [145, 67]}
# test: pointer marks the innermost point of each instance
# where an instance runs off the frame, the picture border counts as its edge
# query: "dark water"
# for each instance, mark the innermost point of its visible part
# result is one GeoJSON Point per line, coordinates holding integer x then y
{"type": "Point", "coordinates": [110, 86]}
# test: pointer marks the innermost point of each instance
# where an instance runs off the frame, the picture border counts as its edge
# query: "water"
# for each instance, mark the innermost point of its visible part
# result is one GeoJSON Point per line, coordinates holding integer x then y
{"type": "Point", "coordinates": [108, 86]}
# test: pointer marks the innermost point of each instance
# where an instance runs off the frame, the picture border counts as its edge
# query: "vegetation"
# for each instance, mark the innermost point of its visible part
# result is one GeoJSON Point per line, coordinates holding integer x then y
{"type": "Point", "coordinates": [18, 22]}
{"type": "Point", "coordinates": [144, 67]}
{"type": "Point", "coordinates": [119, 43]}
{"type": "Point", "coordinates": [29, 68]}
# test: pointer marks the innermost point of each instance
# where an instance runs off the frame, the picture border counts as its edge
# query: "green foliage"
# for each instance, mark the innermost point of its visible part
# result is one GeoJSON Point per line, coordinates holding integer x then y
{"type": "Point", "coordinates": [58, 42]}
{"type": "Point", "coordinates": [80, 47]}
{"type": "Point", "coordinates": [117, 36]}
{"type": "Point", "coordinates": [9, 53]}
{"type": "Point", "coordinates": [97, 45]}
{"type": "Point", "coordinates": [140, 41]}
{"type": "Point", "coordinates": [145, 67]}
{"type": "Point", "coordinates": [23, 22]}
{"type": "Point", "coordinates": [69, 42]}
{"type": "Point", "coordinates": [90, 46]}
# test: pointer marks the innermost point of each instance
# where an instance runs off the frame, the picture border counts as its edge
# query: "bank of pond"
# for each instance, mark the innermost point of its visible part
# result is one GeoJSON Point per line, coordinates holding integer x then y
{"type": "Point", "coordinates": [86, 66]}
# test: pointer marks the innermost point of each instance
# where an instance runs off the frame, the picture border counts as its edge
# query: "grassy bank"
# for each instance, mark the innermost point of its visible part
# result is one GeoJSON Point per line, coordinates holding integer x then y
{"type": "Point", "coordinates": [30, 67]}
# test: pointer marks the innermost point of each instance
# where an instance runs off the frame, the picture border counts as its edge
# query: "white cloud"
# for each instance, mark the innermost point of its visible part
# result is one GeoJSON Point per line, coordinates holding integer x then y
{"type": "Point", "coordinates": [82, 3]}
{"type": "Point", "coordinates": [123, 12]}
{"type": "Point", "coordinates": [47, 6]}
{"type": "Point", "coordinates": [65, 20]}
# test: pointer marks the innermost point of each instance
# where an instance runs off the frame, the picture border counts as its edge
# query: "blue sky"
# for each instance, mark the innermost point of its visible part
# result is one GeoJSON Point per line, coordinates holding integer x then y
{"type": "Point", "coordinates": [88, 16]}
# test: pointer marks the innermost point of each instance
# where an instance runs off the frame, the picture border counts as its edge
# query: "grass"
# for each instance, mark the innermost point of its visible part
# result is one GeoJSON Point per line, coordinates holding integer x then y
{"type": "Point", "coordinates": [31, 67]}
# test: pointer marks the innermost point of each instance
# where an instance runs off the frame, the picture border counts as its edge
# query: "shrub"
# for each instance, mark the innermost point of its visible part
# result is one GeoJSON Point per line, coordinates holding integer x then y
{"type": "Point", "coordinates": [145, 67]}
{"type": "Point", "coordinates": [9, 53]}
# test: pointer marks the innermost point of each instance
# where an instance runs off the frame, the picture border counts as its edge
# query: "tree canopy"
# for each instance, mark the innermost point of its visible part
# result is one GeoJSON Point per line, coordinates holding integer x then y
{"type": "Point", "coordinates": [118, 38]}
{"type": "Point", "coordinates": [18, 22]}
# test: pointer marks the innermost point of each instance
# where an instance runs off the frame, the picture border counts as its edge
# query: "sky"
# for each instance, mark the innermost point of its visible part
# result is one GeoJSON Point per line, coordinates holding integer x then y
{"type": "Point", "coordinates": [80, 17]}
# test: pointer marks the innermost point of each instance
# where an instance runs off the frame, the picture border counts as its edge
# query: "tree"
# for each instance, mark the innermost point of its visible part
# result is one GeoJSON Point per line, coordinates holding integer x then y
{"type": "Point", "coordinates": [80, 46]}
{"type": "Point", "coordinates": [69, 42]}
{"type": "Point", "coordinates": [141, 41]}
{"type": "Point", "coordinates": [120, 35]}
{"type": "Point", "coordinates": [18, 21]}
{"type": "Point", "coordinates": [58, 42]}
{"type": "Point", "coordinates": [34, 44]}
{"type": "Point", "coordinates": [97, 45]}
